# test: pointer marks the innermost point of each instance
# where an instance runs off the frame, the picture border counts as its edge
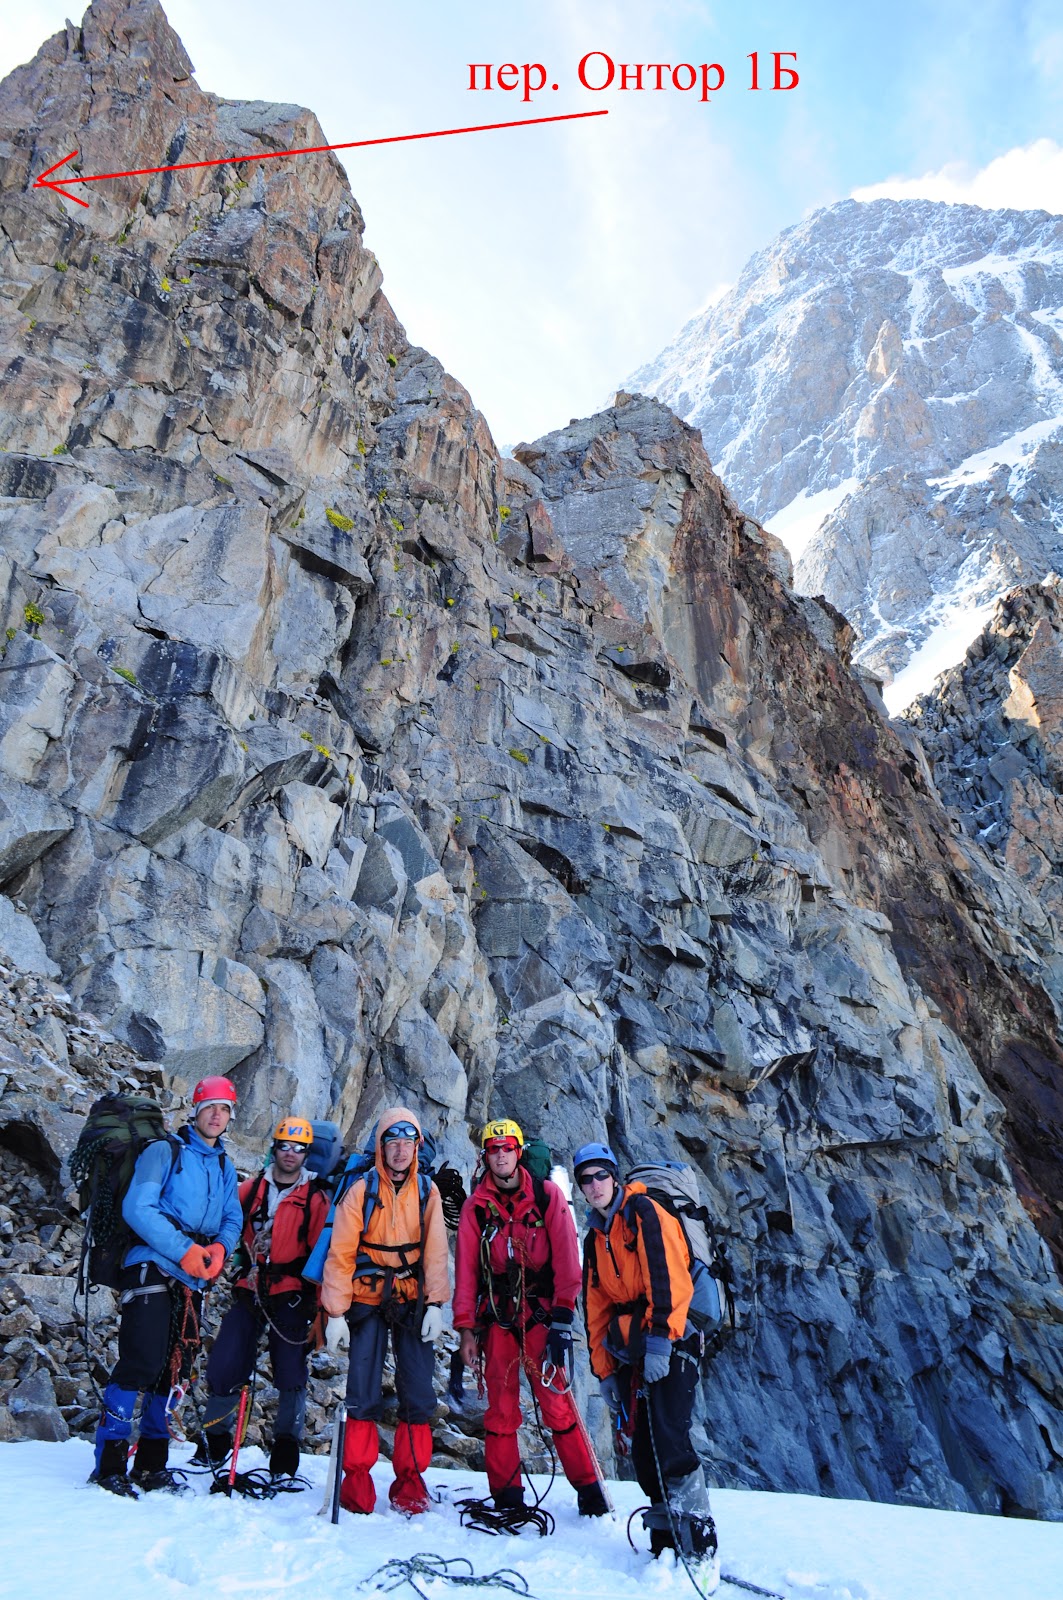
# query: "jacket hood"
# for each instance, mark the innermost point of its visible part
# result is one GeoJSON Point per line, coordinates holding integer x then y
{"type": "Point", "coordinates": [387, 1120]}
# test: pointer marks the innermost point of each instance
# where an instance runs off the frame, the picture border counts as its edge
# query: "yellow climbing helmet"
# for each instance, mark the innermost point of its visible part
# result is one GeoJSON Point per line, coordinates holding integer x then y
{"type": "Point", "coordinates": [293, 1130]}
{"type": "Point", "coordinates": [502, 1129]}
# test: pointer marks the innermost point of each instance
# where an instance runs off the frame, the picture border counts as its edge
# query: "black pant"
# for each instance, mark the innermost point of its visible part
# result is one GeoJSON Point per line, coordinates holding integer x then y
{"type": "Point", "coordinates": [287, 1319]}
{"type": "Point", "coordinates": [662, 1422]}
{"type": "Point", "coordinates": [155, 1314]}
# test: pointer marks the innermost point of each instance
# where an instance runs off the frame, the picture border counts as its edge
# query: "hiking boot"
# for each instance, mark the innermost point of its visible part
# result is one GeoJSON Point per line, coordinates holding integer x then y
{"type": "Point", "coordinates": [150, 1471]}
{"type": "Point", "coordinates": [164, 1478]}
{"type": "Point", "coordinates": [698, 1538]}
{"type": "Point", "coordinates": [591, 1501]}
{"type": "Point", "coordinates": [115, 1483]}
{"type": "Point", "coordinates": [212, 1448]}
{"type": "Point", "coordinates": [706, 1574]}
{"type": "Point", "coordinates": [509, 1499]}
{"type": "Point", "coordinates": [111, 1472]}
{"type": "Point", "coordinates": [409, 1494]}
{"type": "Point", "coordinates": [284, 1457]}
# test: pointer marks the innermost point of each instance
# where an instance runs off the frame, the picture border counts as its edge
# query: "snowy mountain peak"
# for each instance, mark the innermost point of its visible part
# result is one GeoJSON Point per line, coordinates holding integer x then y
{"type": "Point", "coordinates": [884, 387]}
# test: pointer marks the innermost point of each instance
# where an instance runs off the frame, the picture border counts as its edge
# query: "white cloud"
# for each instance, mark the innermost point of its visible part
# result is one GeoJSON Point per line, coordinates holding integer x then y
{"type": "Point", "coordinates": [1028, 178]}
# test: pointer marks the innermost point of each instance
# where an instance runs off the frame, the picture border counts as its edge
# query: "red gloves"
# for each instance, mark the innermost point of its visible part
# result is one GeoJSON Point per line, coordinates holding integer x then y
{"type": "Point", "coordinates": [203, 1260]}
{"type": "Point", "coordinates": [215, 1255]}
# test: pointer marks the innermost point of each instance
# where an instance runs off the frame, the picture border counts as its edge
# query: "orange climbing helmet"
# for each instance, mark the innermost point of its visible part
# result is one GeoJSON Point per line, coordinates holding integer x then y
{"type": "Point", "coordinates": [293, 1130]}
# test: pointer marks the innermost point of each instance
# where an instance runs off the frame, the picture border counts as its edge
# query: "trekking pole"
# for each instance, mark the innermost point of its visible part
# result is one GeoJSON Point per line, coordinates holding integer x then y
{"type": "Point", "coordinates": [552, 1372]}
{"type": "Point", "coordinates": [341, 1439]}
{"type": "Point", "coordinates": [595, 1463]}
{"type": "Point", "coordinates": [330, 1505]}
{"type": "Point", "coordinates": [241, 1418]}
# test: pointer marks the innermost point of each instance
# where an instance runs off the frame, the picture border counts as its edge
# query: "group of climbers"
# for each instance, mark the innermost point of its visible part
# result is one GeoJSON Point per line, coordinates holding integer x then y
{"type": "Point", "coordinates": [518, 1278]}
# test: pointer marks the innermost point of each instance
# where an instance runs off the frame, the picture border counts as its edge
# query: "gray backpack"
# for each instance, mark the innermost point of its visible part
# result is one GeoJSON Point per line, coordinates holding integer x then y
{"type": "Point", "coordinates": [674, 1186]}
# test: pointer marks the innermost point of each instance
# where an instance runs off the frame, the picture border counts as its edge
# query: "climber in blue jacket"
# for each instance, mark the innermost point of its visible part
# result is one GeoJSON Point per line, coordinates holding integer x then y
{"type": "Point", "coordinates": [183, 1208]}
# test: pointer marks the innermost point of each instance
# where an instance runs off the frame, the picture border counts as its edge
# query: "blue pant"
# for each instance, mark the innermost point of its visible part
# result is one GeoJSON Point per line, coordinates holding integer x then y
{"type": "Point", "coordinates": [287, 1319]}
{"type": "Point", "coordinates": [414, 1365]}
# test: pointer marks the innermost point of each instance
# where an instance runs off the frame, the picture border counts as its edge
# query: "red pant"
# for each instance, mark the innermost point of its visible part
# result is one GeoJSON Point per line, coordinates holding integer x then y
{"type": "Point", "coordinates": [502, 1418]}
{"type": "Point", "coordinates": [412, 1454]}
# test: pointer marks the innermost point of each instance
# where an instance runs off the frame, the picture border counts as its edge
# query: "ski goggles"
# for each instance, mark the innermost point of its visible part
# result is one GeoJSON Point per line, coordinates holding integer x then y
{"type": "Point", "coordinates": [584, 1178]}
{"type": "Point", "coordinates": [507, 1143]}
{"type": "Point", "coordinates": [399, 1130]}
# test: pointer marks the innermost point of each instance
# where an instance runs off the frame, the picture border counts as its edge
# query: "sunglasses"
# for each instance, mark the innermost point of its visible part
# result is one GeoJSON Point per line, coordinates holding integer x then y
{"type": "Point", "coordinates": [289, 1144]}
{"type": "Point", "coordinates": [508, 1143]}
{"type": "Point", "coordinates": [592, 1177]}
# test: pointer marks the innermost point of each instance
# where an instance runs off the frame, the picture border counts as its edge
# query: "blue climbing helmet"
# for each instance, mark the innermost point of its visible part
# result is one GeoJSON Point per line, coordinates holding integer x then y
{"type": "Point", "coordinates": [588, 1153]}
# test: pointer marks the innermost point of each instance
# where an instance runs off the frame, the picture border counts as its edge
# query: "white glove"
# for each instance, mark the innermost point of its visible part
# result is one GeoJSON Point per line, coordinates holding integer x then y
{"type": "Point", "coordinates": [337, 1335]}
{"type": "Point", "coordinates": [432, 1326]}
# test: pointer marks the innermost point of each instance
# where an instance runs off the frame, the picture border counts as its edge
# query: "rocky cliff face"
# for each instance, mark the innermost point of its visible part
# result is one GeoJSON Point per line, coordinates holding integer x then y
{"type": "Point", "coordinates": [342, 754]}
{"type": "Point", "coordinates": [884, 387]}
{"type": "Point", "coordinates": [992, 729]}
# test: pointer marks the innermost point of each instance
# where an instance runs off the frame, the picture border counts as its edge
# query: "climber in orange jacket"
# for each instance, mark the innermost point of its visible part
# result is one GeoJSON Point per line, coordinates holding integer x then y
{"type": "Point", "coordinates": [637, 1290]}
{"type": "Point", "coordinates": [387, 1267]}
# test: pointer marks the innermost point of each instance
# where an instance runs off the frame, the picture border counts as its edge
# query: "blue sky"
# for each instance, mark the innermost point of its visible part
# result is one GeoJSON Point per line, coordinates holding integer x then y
{"type": "Point", "coordinates": [544, 264]}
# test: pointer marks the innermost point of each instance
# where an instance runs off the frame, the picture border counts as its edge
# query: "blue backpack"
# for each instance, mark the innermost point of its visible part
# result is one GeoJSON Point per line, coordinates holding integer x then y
{"type": "Point", "coordinates": [326, 1153]}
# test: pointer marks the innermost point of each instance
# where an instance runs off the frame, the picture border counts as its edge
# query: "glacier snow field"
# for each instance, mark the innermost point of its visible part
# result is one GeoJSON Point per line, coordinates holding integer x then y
{"type": "Point", "coordinates": [64, 1537]}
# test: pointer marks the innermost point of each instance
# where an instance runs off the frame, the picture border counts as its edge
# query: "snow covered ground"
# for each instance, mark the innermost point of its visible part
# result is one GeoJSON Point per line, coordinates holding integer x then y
{"type": "Point", "coordinates": [64, 1537]}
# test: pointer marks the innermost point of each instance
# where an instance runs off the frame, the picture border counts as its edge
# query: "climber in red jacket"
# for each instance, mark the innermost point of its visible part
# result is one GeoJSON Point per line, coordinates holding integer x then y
{"type": "Point", "coordinates": [518, 1274]}
{"type": "Point", "coordinates": [284, 1209]}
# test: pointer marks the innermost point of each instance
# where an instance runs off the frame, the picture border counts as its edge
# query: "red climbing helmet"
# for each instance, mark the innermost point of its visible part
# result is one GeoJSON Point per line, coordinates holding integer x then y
{"type": "Point", "coordinates": [213, 1092]}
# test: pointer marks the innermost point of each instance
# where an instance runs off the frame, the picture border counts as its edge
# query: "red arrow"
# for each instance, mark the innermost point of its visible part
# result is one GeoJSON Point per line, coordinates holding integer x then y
{"type": "Point", "coordinates": [60, 185]}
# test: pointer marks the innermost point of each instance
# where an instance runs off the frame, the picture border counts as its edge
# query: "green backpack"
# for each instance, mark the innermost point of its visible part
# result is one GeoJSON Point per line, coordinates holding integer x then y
{"type": "Point", "coordinates": [537, 1158]}
{"type": "Point", "coordinates": [118, 1128]}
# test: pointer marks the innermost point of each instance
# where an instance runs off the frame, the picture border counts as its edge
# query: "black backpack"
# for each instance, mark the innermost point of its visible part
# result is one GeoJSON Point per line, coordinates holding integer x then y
{"type": "Point", "coordinates": [118, 1128]}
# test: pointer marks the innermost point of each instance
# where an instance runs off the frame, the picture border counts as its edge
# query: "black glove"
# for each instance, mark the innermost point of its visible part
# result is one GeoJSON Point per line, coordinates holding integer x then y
{"type": "Point", "coordinates": [451, 1194]}
{"type": "Point", "coordinates": [557, 1353]}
